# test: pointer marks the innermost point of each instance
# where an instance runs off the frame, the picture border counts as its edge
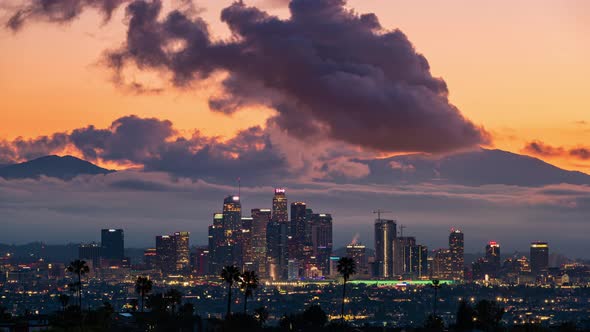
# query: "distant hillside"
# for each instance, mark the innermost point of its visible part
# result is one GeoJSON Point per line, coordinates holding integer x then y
{"type": "Point", "coordinates": [471, 168]}
{"type": "Point", "coordinates": [66, 168]}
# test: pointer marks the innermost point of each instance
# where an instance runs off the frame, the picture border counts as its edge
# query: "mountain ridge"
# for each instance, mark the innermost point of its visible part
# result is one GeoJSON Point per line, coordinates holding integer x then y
{"type": "Point", "coordinates": [62, 167]}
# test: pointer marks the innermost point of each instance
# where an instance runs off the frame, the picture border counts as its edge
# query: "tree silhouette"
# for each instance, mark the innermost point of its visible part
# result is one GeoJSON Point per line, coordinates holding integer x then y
{"type": "Point", "coordinates": [230, 274]}
{"type": "Point", "coordinates": [143, 286]}
{"type": "Point", "coordinates": [434, 322]}
{"type": "Point", "coordinates": [261, 315]}
{"type": "Point", "coordinates": [248, 283]}
{"type": "Point", "coordinates": [78, 268]}
{"type": "Point", "coordinates": [173, 297]}
{"type": "Point", "coordinates": [488, 315]}
{"type": "Point", "coordinates": [465, 316]}
{"type": "Point", "coordinates": [436, 285]}
{"type": "Point", "coordinates": [64, 300]}
{"type": "Point", "coordinates": [346, 267]}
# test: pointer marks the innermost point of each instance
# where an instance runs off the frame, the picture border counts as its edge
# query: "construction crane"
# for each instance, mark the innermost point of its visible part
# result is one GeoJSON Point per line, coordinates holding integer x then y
{"type": "Point", "coordinates": [379, 212]}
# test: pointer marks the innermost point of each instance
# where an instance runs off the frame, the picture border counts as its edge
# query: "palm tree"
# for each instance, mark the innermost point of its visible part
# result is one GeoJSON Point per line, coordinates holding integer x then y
{"type": "Point", "coordinates": [230, 274]}
{"type": "Point", "coordinates": [346, 267]}
{"type": "Point", "coordinates": [436, 285]}
{"type": "Point", "coordinates": [79, 268]}
{"type": "Point", "coordinates": [248, 283]}
{"type": "Point", "coordinates": [143, 286]}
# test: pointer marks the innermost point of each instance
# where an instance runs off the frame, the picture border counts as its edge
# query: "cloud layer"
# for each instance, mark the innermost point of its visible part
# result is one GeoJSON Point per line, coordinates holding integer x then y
{"type": "Point", "coordinates": [146, 204]}
{"type": "Point", "coordinates": [59, 11]}
{"type": "Point", "coordinates": [542, 149]}
{"type": "Point", "coordinates": [330, 73]}
{"type": "Point", "coordinates": [156, 145]}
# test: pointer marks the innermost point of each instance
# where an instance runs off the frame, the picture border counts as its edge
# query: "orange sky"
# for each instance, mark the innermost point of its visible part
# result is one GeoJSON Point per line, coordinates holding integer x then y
{"type": "Point", "coordinates": [519, 69]}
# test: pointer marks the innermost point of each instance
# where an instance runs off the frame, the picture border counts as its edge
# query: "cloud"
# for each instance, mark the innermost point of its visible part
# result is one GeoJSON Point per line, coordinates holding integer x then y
{"type": "Point", "coordinates": [330, 73]}
{"type": "Point", "coordinates": [24, 149]}
{"type": "Point", "coordinates": [59, 11]}
{"type": "Point", "coordinates": [544, 150]}
{"type": "Point", "coordinates": [580, 153]}
{"type": "Point", "coordinates": [156, 145]}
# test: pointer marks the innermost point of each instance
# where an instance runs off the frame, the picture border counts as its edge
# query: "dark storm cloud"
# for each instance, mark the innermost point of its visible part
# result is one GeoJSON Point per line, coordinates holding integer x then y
{"type": "Point", "coordinates": [331, 73]}
{"type": "Point", "coordinates": [327, 71]}
{"type": "Point", "coordinates": [25, 149]}
{"type": "Point", "coordinates": [157, 146]}
{"type": "Point", "coordinates": [545, 150]}
{"type": "Point", "coordinates": [59, 11]}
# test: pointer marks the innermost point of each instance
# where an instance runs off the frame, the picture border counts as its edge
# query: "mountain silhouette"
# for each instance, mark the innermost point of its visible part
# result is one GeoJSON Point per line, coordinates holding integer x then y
{"type": "Point", "coordinates": [65, 168]}
{"type": "Point", "coordinates": [475, 168]}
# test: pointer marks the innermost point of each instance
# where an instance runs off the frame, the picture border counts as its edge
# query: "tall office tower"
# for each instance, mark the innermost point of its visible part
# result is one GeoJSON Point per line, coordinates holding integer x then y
{"type": "Point", "coordinates": [277, 234]}
{"type": "Point", "coordinates": [260, 220]}
{"type": "Point", "coordinates": [90, 252]}
{"type": "Point", "coordinates": [245, 244]}
{"type": "Point", "coordinates": [166, 253]}
{"type": "Point", "coordinates": [357, 252]}
{"type": "Point", "coordinates": [385, 233]}
{"type": "Point", "coordinates": [182, 251]}
{"type": "Point", "coordinates": [539, 259]}
{"type": "Point", "coordinates": [321, 240]}
{"type": "Point", "coordinates": [416, 265]}
{"type": "Point", "coordinates": [401, 247]}
{"type": "Point", "coordinates": [457, 248]}
{"type": "Point", "coordinates": [216, 243]}
{"type": "Point", "coordinates": [298, 226]}
{"type": "Point", "coordinates": [279, 206]}
{"type": "Point", "coordinates": [232, 215]}
{"type": "Point", "coordinates": [112, 244]}
{"type": "Point", "coordinates": [441, 264]}
{"type": "Point", "coordinates": [493, 256]}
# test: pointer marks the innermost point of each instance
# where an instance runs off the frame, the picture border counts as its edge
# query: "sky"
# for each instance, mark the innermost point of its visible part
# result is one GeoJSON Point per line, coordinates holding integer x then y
{"type": "Point", "coordinates": [211, 96]}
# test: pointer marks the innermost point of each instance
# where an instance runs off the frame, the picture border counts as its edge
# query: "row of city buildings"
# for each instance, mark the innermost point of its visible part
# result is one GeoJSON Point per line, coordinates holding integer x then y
{"type": "Point", "coordinates": [279, 244]}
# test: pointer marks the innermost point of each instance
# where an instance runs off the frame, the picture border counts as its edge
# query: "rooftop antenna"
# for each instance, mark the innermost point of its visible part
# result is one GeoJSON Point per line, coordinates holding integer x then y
{"type": "Point", "coordinates": [239, 188]}
{"type": "Point", "coordinates": [379, 211]}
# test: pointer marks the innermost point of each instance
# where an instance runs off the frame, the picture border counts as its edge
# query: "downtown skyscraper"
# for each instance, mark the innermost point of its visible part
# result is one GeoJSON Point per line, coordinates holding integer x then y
{"type": "Point", "coordinates": [385, 234]}
{"type": "Point", "coordinates": [260, 220]}
{"type": "Point", "coordinates": [224, 235]}
{"type": "Point", "coordinates": [277, 237]}
{"type": "Point", "coordinates": [539, 257]}
{"type": "Point", "coordinates": [173, 253]}
{"type": "Point", "coordinates": [457, 252]}
{"type": "Point", "coordinates": [112, 245]}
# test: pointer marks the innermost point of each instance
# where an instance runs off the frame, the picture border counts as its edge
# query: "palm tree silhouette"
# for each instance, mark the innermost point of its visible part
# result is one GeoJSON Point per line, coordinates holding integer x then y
{"type": "Point", "coordinates": [346, 267]}
{"type": "Point", "coordinates": [436, 285]}
{"type": "Point", "coordinates": [143, 286]}
{"type": "Point", "coordinates": [79, 268]}
{"type": "Point", "coordinates": [248, 283]}
{"type": "Point", "coordinates": [230, 274]}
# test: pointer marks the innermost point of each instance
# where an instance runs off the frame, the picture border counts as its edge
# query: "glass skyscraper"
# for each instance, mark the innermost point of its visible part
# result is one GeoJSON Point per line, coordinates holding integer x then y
{"type": "Point", "coordinates": [539, 257]}
{"type": "Point", "coordinates": [385, 234]}
{"type": "Point", "coordinates": [457, 252]}
{"type": "Point", "coordinates": [112, 244]}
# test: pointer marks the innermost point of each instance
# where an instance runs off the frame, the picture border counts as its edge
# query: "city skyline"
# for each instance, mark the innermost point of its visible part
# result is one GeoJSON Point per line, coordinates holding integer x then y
{"type": "Point", "coordinates": [438, 118]}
